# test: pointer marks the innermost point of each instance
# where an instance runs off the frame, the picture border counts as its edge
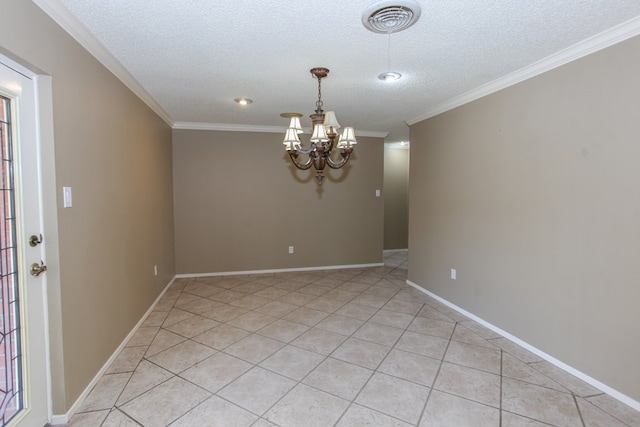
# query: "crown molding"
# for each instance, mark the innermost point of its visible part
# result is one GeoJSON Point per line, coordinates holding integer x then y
{"type": "Point", "coordinates": [79, 32]}
{"type": "Point", "coordinates": [371, 133]}
{"type": "Point", "coordinates": [227, 127]}
{"type": "Point", "coordinates": [586, 47]}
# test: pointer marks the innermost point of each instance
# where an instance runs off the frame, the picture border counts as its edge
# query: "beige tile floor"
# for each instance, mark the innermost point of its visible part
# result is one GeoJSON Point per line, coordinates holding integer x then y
{"type": "Point", "coordinates": [347, 348]}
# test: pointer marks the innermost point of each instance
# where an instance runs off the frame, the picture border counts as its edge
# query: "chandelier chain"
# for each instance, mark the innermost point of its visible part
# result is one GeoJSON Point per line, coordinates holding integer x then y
{"type": "Point", "coordinates": [319, 102]}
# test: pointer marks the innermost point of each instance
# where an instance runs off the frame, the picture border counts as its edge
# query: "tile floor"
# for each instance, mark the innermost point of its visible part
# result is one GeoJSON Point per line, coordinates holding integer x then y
{"type": "Point", "coordinates": [348, 348]}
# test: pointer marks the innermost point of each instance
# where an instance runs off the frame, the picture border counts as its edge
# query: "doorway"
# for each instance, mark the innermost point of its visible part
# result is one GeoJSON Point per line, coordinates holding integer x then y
{"type": "Point", "coordinates": [396, 196]}
{"type": "Point", "coordinates": [24, 377]}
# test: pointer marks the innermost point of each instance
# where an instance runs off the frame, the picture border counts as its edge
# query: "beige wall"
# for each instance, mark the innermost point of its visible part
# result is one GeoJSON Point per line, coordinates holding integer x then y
{"type": "Point", "coordinates": [240, 203]}
{"type": "Point", "coordinates": [396, 198]}
{"type": "Point", "coordinates": [116, 155]}
{"type": "Point", "coordinates": [532, 194]}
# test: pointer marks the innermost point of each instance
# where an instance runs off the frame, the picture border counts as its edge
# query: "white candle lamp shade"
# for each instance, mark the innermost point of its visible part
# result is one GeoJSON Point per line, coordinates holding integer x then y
{"type": "Point", "coordinates": [295, 124]}
{"type": "Point", "coordinates": [319, 134]}
{"type": "Point", "coordinates": [348, 138]}
{"type": "Point", "coordinates": [331, 122]}
{"type": "Point", "coordinates": [291, 140]}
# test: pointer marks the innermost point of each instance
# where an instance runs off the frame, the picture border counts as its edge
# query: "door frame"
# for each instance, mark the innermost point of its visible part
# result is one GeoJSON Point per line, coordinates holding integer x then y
{"type": "Point", "coordinates": [49, 222]}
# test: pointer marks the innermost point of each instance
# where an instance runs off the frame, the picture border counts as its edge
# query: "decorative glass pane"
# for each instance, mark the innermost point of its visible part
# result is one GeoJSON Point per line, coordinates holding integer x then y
{"type": "Point", "coordinates": [11, 396]}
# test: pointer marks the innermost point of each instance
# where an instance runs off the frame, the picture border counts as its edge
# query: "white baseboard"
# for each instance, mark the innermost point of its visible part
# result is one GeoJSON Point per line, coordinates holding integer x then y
{"type": "Point", "coordinates": [279, 270]}
{"type": "Point", "coordinates": [389, 251]}
{"type": "Point", "coordinates": [64, 418]}
{"type": "Point", "coordinates": [60, 420]}
{"type": "Point", "coordinates": [576, 373]}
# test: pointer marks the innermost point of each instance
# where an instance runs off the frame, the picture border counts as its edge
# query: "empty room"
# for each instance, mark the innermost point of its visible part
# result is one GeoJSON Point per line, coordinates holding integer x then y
{"type": "Point", "coordinates": [291, 214]}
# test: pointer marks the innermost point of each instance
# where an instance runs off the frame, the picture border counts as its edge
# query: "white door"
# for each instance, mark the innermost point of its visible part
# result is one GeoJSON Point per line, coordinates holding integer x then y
{"type": "Point", "coordinates": [24, 380]}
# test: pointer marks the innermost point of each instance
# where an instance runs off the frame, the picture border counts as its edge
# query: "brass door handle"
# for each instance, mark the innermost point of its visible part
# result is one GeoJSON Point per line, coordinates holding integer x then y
{"type": "Point", "coordinates": [38, 269]}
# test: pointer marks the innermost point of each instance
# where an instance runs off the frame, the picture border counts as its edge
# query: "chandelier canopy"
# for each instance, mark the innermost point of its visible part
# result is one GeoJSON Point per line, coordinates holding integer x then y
{"type": "Point", "coordinates": [324, 137]}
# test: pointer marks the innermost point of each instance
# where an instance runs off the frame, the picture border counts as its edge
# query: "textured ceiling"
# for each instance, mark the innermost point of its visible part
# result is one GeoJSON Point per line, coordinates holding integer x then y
{"type": "Point", "coordinates": [193, 57]}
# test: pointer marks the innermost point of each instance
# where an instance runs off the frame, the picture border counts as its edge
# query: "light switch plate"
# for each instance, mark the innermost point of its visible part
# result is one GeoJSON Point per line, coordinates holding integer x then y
{"type": "Point", "coordinates": [67, 197]}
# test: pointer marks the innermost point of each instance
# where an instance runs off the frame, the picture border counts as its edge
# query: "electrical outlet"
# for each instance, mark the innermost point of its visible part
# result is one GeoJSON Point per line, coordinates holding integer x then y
{"type": "Point", "coordinates": [290, 250]}
{"type": "Point", "coordinates": [155, 270]}
{"type": "Point", "coordinates": [454, 274]}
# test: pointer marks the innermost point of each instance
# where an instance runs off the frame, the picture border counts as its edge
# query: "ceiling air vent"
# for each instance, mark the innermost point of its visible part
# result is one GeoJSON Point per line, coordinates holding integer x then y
{"type": "Point", "coordinates": [390, 16]}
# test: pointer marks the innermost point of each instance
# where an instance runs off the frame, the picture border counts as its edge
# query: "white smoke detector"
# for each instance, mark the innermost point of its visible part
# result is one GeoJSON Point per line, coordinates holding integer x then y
{"type": "Point", "coordinates": [390, 16]}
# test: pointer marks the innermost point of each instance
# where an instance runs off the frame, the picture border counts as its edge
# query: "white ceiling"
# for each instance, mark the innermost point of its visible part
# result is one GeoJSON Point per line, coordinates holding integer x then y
{"type": "Point", "coordinates": [189, 59]}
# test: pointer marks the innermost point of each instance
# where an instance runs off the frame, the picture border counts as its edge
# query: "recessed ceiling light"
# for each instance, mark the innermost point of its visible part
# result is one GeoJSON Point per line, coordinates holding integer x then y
{"type": "Point", "coordinates": [243, 101]}
{"type": "Point", "coordinates": [390, 76]}
{"type": "Point", "coordinates": [391, 16]}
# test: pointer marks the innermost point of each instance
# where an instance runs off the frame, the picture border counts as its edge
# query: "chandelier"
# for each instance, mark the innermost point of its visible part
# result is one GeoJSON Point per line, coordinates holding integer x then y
{"type": "Point", "coordinates": [324, 138]}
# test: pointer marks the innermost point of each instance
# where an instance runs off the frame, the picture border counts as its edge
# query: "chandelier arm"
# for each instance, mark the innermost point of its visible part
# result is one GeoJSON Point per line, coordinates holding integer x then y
{"type": "Point", "coordinates": [307, 151]}
{"type": "Point", "coordinates": [293, 154]}
{"type": "Point", "coordinates": [345, 158]}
